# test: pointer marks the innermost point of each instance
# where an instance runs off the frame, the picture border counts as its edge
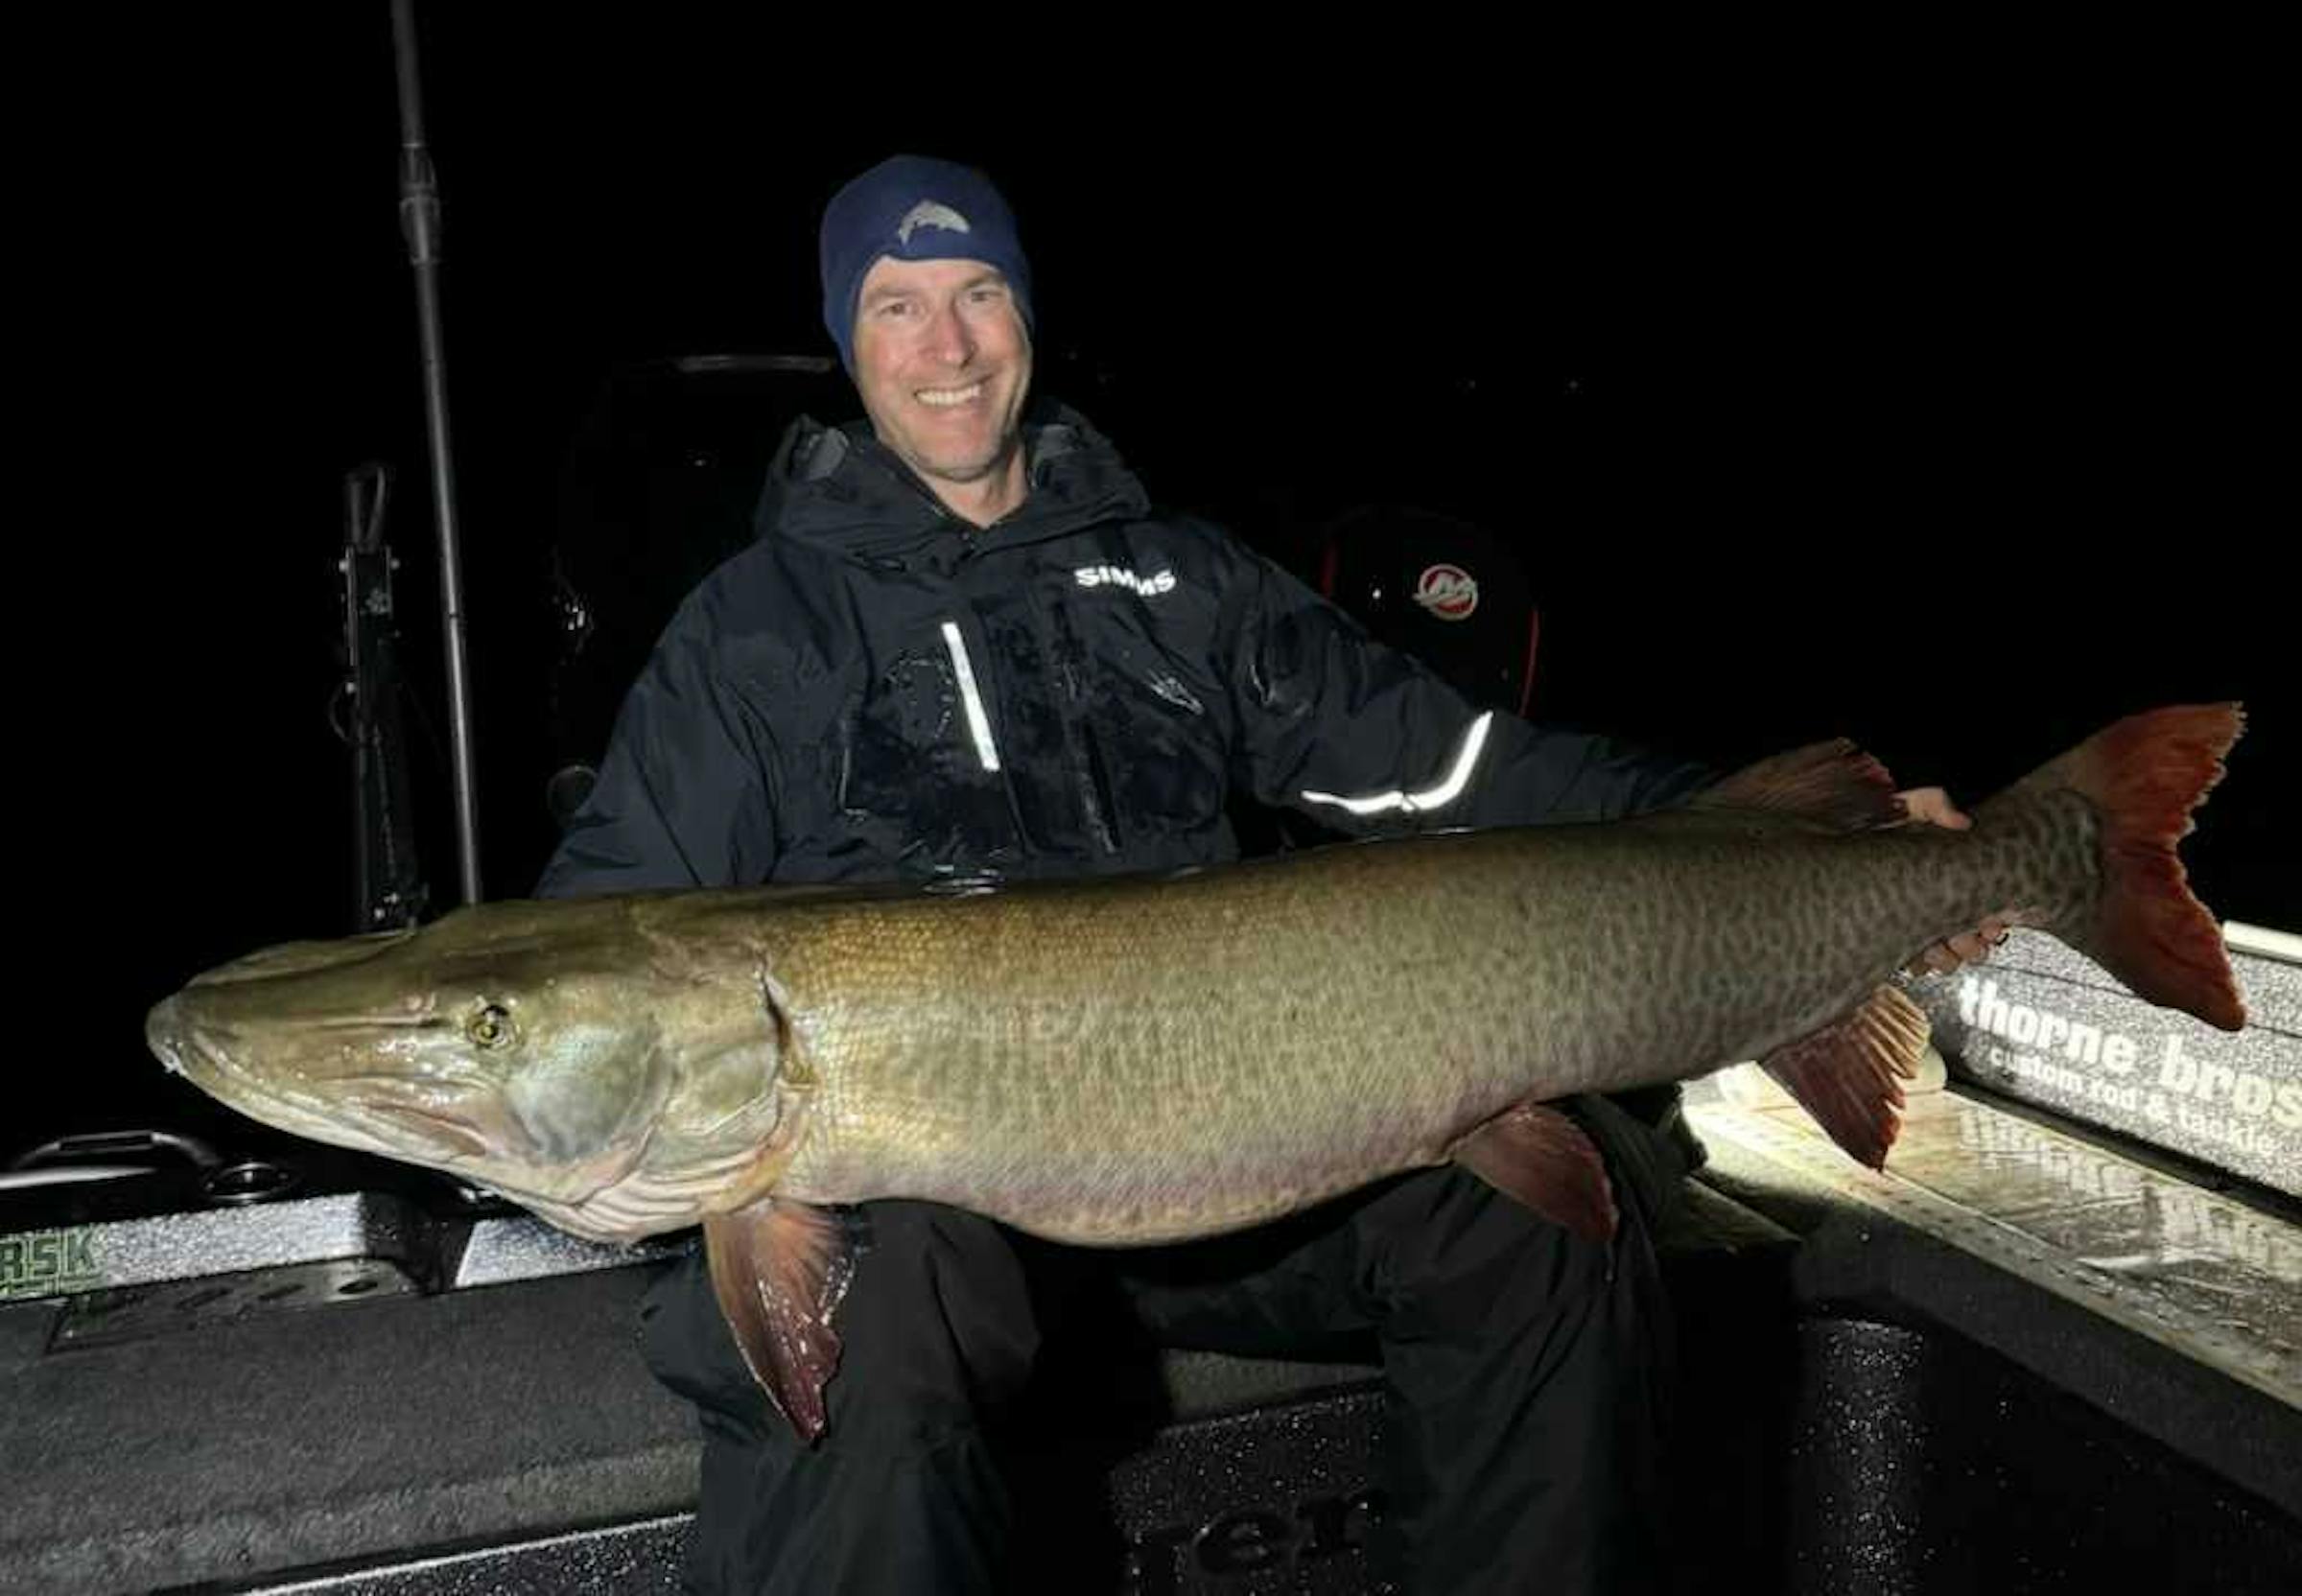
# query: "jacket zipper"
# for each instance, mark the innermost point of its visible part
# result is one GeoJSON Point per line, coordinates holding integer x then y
{"type": "Point", "coordinates": [1091, 773]}
{"type": "Point", "coordinates": [1103, 813]}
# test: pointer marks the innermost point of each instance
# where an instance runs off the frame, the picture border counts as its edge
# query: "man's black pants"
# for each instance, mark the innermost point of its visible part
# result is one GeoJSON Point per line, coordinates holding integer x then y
{"type": "Point", "coordinates": [1527, 1371]}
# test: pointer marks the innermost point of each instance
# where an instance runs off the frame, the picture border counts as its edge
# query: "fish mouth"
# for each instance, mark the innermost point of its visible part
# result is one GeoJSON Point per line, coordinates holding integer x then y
{"type": "Point", "coordinates": [176, 1040]}
{"type": "Point", "coordinates": [433, 1124]}
{"type": "Point", "coordinates": [378, 1116]}
{"type": "Point", "coordinates": [163, 1027]}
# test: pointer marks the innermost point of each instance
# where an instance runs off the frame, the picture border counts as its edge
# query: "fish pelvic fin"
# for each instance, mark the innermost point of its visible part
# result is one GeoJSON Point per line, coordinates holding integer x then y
{"type": "Point", "coordinates": [779, 1270]}
{"type": "Point", "coordinates": [1834, 783]}
{"type": "Point", "coordinates": [1848, 1076]}
{"type": "Point", "coordinates": [1539, 1155]}
{"type": "Point", "coordinates": [2144, 775]}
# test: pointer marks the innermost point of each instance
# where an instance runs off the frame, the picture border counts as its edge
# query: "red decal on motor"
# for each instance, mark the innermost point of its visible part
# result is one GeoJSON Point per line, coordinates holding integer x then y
{"type": "Point", "coordinates": [1448, 591]}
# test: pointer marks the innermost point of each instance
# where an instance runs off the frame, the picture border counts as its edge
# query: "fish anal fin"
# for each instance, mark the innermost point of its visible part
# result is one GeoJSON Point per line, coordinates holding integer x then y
{"type": "Point", "coordinates": [779, 1269]}
{"type": "Point", "coordinates": [1848, 1076]}
{"type": "Point", "coordinates": [1832, 783]}
{"type": "Point", "coordinates": [1539, 1156]}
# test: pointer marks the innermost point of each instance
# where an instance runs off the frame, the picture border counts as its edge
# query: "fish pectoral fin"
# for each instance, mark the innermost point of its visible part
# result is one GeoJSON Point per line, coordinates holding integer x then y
{"type": "Point", "coordinates": [1539, 1155]}
{"type": "Point", "coordinates": [1850, 1075]}
{"type": "Point", "coordinates": [779, 1269]}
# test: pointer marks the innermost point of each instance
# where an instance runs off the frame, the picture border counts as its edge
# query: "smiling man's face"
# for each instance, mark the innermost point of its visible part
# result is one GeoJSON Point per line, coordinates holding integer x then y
{"type": "Point", "coordinates": [943, 363]}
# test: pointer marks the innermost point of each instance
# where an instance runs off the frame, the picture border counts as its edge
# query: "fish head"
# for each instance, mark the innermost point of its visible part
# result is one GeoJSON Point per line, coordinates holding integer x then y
{"type": "Point", "coordinates": [544, 1050]}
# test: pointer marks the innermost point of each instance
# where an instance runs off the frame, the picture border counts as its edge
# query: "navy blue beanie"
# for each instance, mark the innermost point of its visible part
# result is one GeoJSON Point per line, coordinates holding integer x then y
{"type": "Point", "coordinates": [914, 209]}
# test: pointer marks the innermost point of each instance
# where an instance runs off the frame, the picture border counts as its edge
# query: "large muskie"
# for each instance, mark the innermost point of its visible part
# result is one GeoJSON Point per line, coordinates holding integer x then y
{"type": "Point", "coordinates": [1134, 1060]}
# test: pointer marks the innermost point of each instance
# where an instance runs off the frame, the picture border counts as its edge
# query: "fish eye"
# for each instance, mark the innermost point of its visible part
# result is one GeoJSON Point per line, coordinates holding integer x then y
{"type": "Point", "coordinates": [492, 1027]}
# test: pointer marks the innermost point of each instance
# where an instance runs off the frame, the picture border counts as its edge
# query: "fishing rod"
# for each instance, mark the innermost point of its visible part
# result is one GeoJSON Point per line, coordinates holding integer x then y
{"type": "Point", "coordinates": [419, 223]}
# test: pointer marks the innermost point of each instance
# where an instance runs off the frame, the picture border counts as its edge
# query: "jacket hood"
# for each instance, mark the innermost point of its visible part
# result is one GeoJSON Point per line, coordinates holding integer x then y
{"type": "Point", "coordinates": [840, 490]}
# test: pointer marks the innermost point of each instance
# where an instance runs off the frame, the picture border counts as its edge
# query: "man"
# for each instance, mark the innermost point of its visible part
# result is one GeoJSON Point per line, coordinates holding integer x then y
{"type": "Point", "coordinates": [966, 648]}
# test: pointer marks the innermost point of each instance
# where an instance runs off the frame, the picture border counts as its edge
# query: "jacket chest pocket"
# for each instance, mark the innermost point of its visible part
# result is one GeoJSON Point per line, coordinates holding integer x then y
{"type": "Point", "coordinates": [1151, 737]}
{"type": "Point", "coordinates": [925, 711]}
{"type": "Point", "coordinates": [913, 765]}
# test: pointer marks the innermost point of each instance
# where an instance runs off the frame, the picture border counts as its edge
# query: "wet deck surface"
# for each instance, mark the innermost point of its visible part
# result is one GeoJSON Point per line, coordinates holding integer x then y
{"type": "Point", "coordinates": [2195, 1271]}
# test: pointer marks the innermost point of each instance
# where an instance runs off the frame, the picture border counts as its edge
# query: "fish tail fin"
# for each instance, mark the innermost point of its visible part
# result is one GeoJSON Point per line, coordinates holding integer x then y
{"type": "Point", "coordinates": [2144, 775]}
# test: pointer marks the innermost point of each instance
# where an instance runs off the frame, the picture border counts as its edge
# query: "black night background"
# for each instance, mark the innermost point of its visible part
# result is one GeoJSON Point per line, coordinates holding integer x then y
{"type": "Point", "coordinates": [1952, 415]}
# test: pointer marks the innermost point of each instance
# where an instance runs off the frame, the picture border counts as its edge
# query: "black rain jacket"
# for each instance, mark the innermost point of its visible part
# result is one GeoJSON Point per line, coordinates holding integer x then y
{"type": "Point", "coordinates": [877, 691]}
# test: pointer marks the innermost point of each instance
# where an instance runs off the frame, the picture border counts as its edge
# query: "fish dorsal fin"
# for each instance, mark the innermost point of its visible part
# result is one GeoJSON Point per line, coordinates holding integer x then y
{"type": "Point", "coordinates": [779, 1269]}
{"type": "Point", "coordinates": [1849, 1075]}
{"type": "Point", "coordinates": [1832, 783]}
{"type": "Point", "coordinates": [1537, 1154]}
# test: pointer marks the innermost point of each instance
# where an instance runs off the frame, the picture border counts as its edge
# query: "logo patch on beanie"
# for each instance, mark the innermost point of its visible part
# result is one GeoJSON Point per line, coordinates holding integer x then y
{"type": "Point", "coordinates": [928, 214]}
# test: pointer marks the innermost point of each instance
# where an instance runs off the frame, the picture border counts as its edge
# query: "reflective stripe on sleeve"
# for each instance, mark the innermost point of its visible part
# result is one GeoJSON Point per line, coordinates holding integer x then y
{"type": "Point", "coordinates": [1445, 792]}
